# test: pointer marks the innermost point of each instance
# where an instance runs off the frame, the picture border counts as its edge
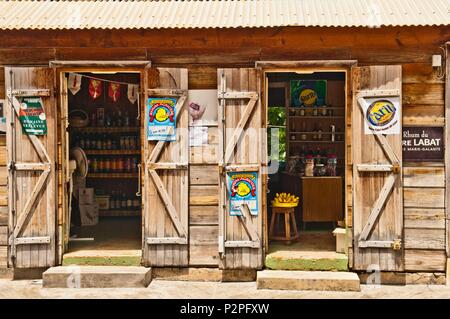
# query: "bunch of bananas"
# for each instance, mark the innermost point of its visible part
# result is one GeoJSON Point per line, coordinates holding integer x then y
{"type": "Point", "coordinates": [285, 199]}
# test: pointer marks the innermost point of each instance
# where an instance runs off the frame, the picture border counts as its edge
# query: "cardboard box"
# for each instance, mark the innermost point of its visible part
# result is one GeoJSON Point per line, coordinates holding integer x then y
{"type": "Point", "coordinates": [86, 196]}
{"type": "Point", "coordinates": [102, 201]}
{"type": "Point", "coordinates": [339, 233]}
{"type": "Point", "coordinates": [89, 214]}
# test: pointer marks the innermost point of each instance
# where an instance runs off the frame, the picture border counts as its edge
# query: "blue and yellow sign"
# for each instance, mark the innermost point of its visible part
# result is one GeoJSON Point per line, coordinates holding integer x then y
{"type": "Point", "coordinates": [382, 115]}
{"type": "Point", "coordinates": [161, 119]}
{"type": "Point", "coordinates": [243, 189]}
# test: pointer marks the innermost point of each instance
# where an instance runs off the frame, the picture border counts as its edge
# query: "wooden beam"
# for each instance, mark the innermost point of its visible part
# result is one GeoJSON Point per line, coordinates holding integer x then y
{"type": "Point", "coordinates": [137, 63]}
{"type": "Point", "coordinates": [307, 63]}
{"type": "Point", "coordinates": [31, 166]}
{"type": "Point", "coordinates": [245, 219]}
{"type": "Point", "coordinates": [242, 244]}
{"type": "Point", "coordinates": [168, 203]}
{"type": "Point", "coordinates": [30, 92]}
{"type": "Point", "coordinates": [160, 165]}
{"type": "Point", "coordinates": [374, 167]}
{"type": "Point", "coordinates": [376, 93]}
{"type": "Point", "coordinates": [166, 92]}
{"type": "Point", "coordinates": [239, 130]}
{"type": "Point", "coordinates": [27, 211]}
{"type": "Point", "coordinates": [166, 241]}
{"type": "Point", "coordinates": [32, 240]}
{"type": "Point", "coordinates": [242, 168]}
{"type": "Point", "coordinates": [378, 206]}
{"type": "Point", "coordinates": [375, 243]}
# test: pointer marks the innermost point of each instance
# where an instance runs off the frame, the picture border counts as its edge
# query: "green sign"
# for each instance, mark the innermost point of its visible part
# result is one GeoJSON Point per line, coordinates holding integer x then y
{"type": "Point", "coordinates": [32, 116]}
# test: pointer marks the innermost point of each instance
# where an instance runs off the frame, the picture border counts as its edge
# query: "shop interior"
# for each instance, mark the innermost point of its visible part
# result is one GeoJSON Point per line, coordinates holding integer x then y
{"type": "Point", "coordinates": [307, 116]}
{"type": "Point", "coordinates": [105, 153]}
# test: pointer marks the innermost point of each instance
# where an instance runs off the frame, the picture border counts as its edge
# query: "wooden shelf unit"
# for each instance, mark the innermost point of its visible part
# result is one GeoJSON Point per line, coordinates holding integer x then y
{"type": "Point", "coordinates": [112, 152]}
{"type": "Point", "coordinates": [112, 175]}
{"type": "Point", "coordinates": [120, 212]}
{"type": "Point", "coordinates": [107, 129]}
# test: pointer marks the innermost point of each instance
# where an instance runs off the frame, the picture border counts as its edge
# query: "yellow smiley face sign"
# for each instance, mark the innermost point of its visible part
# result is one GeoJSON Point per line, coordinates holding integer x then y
{"type": "Point", "coordinates": [308, 97]}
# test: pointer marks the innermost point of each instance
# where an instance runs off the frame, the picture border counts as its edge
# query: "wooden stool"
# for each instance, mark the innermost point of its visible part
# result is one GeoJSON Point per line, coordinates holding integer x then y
{"type": "Point", "coordinates": [289, 217]}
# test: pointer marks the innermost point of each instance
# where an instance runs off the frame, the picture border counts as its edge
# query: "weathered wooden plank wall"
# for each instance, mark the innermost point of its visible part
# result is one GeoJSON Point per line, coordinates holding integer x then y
{"type": "Point", "coordinates": [203, 51]}
{"type": "Point", "coordinates": [3, 186]}
{"type": "Point", "coordinates": [424, 183]}
{"type": "Point", "coordinates": [204, 183]}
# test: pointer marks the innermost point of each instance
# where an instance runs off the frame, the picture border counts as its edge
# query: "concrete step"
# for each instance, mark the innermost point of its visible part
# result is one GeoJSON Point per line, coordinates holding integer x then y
{"type": "Point", "coordinates": [308, 280]}
{"type": "Point", "coordinates": [306, 260]}
{"type": "Point", "coordinates": [97, 277]}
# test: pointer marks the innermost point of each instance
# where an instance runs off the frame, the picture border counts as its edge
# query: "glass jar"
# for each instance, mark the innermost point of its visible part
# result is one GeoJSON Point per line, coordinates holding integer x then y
{"type": "Point", "coordinates": [309, 166]}
{"type": "Point", "coordinates": [331, 165]}
{"type": "Point", "coordinates": [320, 170]}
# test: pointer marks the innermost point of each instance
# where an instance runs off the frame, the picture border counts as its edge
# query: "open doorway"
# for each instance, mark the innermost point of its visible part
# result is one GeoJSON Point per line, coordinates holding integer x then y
{"type": "Point", "coordinates": [306, 117]}
{"type": "Point", "coordinates": [104, 221]}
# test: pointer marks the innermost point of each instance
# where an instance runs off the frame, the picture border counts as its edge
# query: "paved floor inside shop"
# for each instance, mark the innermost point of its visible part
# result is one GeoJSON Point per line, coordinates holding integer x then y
{"type": "Point", "coordinates": [314, 250]}
{"type": "Point", "coordinates": [117, 241]}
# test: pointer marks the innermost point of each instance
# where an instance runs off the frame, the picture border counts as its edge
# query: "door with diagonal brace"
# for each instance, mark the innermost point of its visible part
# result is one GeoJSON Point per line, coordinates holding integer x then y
{"type": "Point", "coordinates": [377, 176]}
{"type": "Point", "coordinates": [32, 191]}
{"type": "Point", "coordinates": [165, 165]}
{"type": "Point", "coordinates": [241, 150]}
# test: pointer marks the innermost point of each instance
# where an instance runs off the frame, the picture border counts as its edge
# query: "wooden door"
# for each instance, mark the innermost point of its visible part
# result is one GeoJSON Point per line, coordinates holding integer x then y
{"type": "Point", "coordinates": [377, 175]}
{"type": "Point", "coordinates": [165, 164]}
{"type": "Point", "coordinates": [241, 151]}
{"type": "Point", "coordinates": [31, 163]}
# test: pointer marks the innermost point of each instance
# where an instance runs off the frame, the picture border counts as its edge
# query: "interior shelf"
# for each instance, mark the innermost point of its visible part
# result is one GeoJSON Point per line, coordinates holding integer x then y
{"type": "Point", "coordinates": [108, 129]}
{"type": "Point", "coordinates": [119, 212]}
{"type": "Point", "coordinates": [112, 152]}
{"type": "Point", "coordinates": [112, 175]}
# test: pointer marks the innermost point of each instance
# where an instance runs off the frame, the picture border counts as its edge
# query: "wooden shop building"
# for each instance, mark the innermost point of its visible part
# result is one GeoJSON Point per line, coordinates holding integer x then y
{"type": "Point", "coordinates": [193, 115]}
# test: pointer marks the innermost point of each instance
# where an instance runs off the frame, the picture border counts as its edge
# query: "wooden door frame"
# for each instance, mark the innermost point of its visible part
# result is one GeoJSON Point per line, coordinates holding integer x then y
{"type": "Point", "coordinates": [447, 156]}
{"type": "Point", "coordinates": [337, 66]}
{"type": "Point", "coordinates": [61, 68]}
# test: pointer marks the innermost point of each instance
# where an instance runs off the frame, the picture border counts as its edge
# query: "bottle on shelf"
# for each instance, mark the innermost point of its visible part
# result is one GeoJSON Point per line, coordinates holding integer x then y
{"type": "Point", "coordinates": [323, 110]}
{"type": "Point", "coordinates": [332, 131]}
{"type": "Point", "coordinates": [315, 130]}
{"type": "Point", "coordinates": [93, 119]}
{"type": "Point", "coordinates": [82, 141]}
{"type": "Point", "coordinates": [304, 136]}
{"type": "Point", "coordinates": [123, 201]}
{"type": "Point", "coordinates": [119, 119]}
{"type": "Point", "coordinates": [108, 121]}
{"type": "Point", "coordinates": [106, 165]}
{"type": "Point", "coordinates": [126, 119]}
{"type": "Point", "coordinates": [302, 111]}
{"type": "Point", "coordinates": [319, 133]}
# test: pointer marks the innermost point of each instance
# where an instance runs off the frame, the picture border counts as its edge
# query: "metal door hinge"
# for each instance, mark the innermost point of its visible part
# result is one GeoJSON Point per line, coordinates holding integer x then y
{"type": "Point", "coordinates": [397, 244]}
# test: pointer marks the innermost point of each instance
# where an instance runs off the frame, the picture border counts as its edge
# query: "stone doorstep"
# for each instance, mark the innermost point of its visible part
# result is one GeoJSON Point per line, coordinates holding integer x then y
{"type": "Point", "coordinates": [308, 280]}
{"type": "Point", "coordinates": [97, 277]}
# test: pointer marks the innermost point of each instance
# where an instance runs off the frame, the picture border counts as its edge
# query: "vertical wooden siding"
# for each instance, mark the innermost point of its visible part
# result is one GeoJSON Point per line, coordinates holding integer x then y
{"type": "Point", "coordinates": [424, 183]}
{"type": "Point", "coordinates": [3, 187]}
{"type": "Point", "coordinates": [203, 184]}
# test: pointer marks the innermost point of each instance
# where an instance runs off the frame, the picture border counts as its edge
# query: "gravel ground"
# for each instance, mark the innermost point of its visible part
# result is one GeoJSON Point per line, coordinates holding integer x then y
{"type": "Point", "coordinates": [204, 290]}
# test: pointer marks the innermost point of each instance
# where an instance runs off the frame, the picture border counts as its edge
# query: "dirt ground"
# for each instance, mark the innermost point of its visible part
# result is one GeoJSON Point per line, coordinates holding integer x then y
{"type": "Point", "coordinates": [204, 290]}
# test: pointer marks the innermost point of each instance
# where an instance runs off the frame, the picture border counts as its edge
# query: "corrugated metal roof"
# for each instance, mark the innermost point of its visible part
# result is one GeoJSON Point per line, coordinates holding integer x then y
{"type": "Point", "coordinates": [220, 14]}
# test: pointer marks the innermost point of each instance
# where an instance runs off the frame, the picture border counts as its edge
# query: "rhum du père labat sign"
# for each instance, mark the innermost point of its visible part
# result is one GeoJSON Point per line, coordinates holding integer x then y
{"type": "Point", "coordinates": [423, 144]}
